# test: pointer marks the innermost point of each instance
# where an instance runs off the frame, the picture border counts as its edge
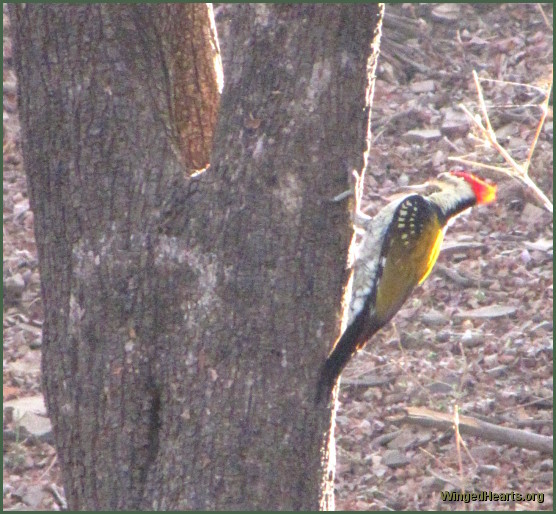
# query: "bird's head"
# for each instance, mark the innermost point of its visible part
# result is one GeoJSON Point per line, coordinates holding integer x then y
{"type": "Point", "coordinates": [460, 190]}
{"type": "Point", "coordinates": [483, 191]}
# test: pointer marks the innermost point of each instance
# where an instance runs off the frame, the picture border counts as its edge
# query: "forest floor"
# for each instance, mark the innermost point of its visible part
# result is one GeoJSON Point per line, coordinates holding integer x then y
{"type": "Point", "coordinates": [475, 338]}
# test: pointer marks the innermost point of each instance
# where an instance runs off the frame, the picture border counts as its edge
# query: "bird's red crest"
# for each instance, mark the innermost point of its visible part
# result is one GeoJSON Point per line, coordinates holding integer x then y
{"type": "Point", "coordinates": [484, 192]}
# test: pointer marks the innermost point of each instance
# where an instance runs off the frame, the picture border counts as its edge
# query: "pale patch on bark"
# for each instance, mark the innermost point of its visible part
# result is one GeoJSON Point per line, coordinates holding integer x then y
{"type": "Point", "coordinates": [262, 15]}
{"type": "Point", "coordinates": [288, 193]}
{"type": "Point", "coordinates": [319, 83]}
{"type": "Point", "coordinates": [203, 266]}
{"type": "Point", "coordinates": [259, 149]}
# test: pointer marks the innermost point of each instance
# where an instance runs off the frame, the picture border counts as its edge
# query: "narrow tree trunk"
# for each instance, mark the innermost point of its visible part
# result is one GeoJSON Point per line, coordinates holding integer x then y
{"type": "Point", "coordinates": [186, 319]}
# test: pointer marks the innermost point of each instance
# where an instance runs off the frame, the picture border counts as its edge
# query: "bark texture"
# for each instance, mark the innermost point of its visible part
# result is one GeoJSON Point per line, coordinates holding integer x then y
{"type": "Point", "coordinates": [187, 319]}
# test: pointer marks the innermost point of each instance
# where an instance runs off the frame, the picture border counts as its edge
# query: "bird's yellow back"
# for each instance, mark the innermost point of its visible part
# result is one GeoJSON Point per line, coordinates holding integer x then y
{"type": "Point", "coordinates": [409, 253]}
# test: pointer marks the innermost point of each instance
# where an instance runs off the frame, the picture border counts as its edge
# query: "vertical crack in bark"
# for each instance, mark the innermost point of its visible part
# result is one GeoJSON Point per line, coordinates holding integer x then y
{"type": "Point", "coordinates": [149, 38]}
{"type": "Point", "coordinates": [154, 425]}
{"type": "Point", "coordinates": [153, 445]}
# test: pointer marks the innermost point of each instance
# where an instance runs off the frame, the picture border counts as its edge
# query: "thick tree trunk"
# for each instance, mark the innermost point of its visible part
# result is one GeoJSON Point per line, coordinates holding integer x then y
{"type": "Point", "coordinates": [186, 319]}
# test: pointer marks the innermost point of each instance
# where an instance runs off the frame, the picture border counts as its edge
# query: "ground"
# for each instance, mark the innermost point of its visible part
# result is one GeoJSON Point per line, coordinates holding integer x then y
{"type": "Point", "coordinates": [477, 336]}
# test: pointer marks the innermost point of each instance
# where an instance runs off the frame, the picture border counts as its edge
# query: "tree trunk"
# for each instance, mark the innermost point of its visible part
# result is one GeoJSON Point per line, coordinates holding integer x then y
{"type": "Point", "coordinates": [186, 319]}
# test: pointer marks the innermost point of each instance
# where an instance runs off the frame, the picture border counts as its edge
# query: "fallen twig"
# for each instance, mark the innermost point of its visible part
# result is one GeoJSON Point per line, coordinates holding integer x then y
{"type": "Point", "coordinates": [471, 426]}
{"type": "Point", "coordinates": [57, 495]}
{"type": "Point", "coordinates": [544, 17]}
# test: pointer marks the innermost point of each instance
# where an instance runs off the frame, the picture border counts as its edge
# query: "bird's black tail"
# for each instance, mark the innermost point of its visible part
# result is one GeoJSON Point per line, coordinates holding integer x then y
{"type": "Point", "coordinates": [352, 339]}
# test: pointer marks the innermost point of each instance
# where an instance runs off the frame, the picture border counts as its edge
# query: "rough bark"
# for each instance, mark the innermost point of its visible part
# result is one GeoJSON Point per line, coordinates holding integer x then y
{"type": "Point", "coordinates": [186, 319]}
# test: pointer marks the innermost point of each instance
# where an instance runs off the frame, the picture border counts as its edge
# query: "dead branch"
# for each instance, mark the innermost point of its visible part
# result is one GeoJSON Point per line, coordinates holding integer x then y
{"type": "Point", "coordinates": [472, 426]}
{"type": "Point", "coordinates": [488, 136]}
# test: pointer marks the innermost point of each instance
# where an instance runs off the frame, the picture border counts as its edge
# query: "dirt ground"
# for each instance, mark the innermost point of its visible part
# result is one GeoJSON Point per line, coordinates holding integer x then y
{"type": "Point", "coordinates": [476, 337]}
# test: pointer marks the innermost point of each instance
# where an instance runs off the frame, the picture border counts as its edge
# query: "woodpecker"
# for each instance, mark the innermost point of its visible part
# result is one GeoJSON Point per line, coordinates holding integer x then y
{"type": "Point", "coordinates": [397, 252]}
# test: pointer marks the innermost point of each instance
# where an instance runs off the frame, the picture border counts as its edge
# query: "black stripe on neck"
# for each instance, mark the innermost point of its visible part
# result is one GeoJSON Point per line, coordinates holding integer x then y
{"type": "Point", "coordinates": [445, 215]}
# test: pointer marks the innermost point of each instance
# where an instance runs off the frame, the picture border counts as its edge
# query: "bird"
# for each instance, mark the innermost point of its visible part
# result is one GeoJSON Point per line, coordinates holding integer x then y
{"type": "Point", "coordinates": [397, 252]}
